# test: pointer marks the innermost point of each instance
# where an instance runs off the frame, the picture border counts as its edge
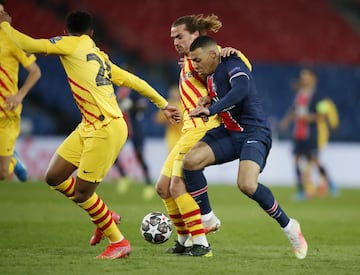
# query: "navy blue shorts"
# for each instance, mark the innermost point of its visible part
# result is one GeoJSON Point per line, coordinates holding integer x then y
{"type": "Point", "coordinates": [252, 144]}
{"type": "Point", "coordinates": [307, 148]}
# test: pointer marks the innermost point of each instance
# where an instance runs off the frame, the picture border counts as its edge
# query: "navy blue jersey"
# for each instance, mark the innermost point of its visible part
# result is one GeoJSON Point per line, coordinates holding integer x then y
{"type": "Point", "coordinates": [234, 96]}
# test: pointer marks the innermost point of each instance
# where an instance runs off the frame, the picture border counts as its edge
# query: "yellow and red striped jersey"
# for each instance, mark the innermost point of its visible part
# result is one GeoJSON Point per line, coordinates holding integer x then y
{"type": "Point", "coordinates": [10, 58]}
{"type": "Point", "coordinates": [90, 73]}
{"type": "Point", "coordinates": [192, 87]}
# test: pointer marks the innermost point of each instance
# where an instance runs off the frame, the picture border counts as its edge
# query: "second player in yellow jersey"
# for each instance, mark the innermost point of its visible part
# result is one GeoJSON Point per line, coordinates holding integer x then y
{"type": "Point", "coordinates": [93, 146]}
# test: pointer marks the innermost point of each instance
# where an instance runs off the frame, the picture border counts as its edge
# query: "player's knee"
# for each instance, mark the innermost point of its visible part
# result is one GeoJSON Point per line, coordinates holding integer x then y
{"type": "Point", "coordinates": [247, 187]}
{"type": "Point", "coordinates": [177, 187]}
{"type": "Point", "coordinates": [192, 162]}
{"type": "Point", "coordinates": [51, 178]}
{"type": "Point", "coordinates": [162, 190]}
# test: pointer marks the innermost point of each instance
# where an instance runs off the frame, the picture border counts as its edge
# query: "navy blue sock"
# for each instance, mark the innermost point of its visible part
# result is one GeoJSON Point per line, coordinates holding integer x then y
{"type": "Point", "coordinates": [264, 197]}
{"type": "Point", "coordinates": [196, 185]}
{"type": "Point", "coordinates": [299, 183]}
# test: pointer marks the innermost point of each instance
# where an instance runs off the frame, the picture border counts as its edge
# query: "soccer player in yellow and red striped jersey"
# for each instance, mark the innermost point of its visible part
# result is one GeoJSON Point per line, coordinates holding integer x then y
{"type": "Point", "coordinates": [188, 206]}
{"type": "Point", "coordinates": [11, 97]}
{"type": "Point", "coordinates": [93, 146]}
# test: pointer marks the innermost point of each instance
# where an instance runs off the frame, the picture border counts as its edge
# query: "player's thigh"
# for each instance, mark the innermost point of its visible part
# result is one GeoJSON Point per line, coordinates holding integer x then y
{"type": "Point", "coordinates": [9, 132]}
{"type": "Point", "coordinates": [167, 167]}
{"type": "Point", "coordinates": [100, 149]}
{"type": "Point", "coordinates": [216, 147]}
{"type": "Point", "coordinates": [255, 147]}
{"type": "Point", "coordinates": [187, 141]}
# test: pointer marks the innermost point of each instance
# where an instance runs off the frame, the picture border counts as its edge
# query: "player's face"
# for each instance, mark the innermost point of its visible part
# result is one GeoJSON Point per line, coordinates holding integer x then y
{"type": "Point", "coordinates": [307, 79]}
{"type": "Point", "coordinates": [204, 61]}
{"type": "Point", "coordinates": [1, 8]}
{"type": "Point", "coordinates": [182, 38]}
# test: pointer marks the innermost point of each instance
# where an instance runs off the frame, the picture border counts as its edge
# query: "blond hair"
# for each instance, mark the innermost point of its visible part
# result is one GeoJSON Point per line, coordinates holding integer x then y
{"type": "Point", "coordinates": [199, 23]}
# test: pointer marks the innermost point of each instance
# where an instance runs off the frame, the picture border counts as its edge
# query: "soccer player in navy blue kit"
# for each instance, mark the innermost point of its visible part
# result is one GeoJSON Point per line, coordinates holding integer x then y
{"type": "Point", "coordinates": [244, 132]}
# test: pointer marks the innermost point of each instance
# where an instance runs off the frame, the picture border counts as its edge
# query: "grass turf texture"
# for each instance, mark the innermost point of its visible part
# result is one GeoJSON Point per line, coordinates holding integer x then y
{"type": "Point", "coordinates": [42, 232]}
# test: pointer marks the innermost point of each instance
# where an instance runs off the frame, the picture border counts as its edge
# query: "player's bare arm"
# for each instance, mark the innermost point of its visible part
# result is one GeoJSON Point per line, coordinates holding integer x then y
{"type": "Point", "coordinates": [12, 101]}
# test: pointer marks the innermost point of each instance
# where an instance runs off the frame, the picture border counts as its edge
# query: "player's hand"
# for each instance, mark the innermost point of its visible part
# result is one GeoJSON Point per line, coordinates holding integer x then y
{"type": "Point", "coordinates": [12, 101]}
{"type": "Point", "coordinates": [200, 111]}
{"type": "Point", "coordinates": [204, 101]}
{"type": "Point", "coordinates": [172, 113]}
{"type": "Point", "coordinates": [4, 17]}
{"type": "Point", "coordinates": [227, 51]}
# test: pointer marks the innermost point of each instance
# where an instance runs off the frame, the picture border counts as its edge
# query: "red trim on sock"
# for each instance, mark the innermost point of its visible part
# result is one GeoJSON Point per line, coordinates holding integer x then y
{"type": "Point", "coordinates": [103, 218]}
{"type": "Point", "coordinates": [99, 211]}
{"type": "Point", "coordinates": [94, 205]}
{"type": "Point", "coordinates": [197, 232]}
{"type": "Point", "coordinates": [70, 187]}
{"type": "Point", "coordinates": [107, 225]}
{"type": "Point", "coordinates": [191, 213]}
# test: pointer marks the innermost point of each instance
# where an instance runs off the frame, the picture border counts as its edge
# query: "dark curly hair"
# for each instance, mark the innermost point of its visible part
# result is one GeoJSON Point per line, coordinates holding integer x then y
{"type": "Point", "coordinates": [79, 22]}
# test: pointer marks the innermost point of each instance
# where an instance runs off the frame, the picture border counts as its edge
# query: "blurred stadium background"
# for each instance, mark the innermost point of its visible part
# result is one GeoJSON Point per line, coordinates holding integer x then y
{"type": "Point", "coordinates": [279, 37]}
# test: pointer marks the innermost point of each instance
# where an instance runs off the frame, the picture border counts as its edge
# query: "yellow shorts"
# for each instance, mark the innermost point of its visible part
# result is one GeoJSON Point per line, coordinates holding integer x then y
{"type": "Point", "coordinates": [173, 163]}
{"type": "Point", "coordinates": [94, 151]}
{"type": "Point", "coordinates": [9, 132]}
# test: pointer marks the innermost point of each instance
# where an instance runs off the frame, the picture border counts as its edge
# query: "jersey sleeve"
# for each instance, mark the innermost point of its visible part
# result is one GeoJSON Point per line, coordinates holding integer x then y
{"type": "Point", "coordinates": [122, 77]}
{"type": "Point", "coordinates": [58, 45]}
{"type": "Point", "coordinates": [26, 59]}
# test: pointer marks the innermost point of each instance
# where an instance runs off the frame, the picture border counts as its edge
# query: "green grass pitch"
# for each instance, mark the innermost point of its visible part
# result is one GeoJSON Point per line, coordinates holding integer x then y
{"type": "Point", "coordinates": [42, 232]}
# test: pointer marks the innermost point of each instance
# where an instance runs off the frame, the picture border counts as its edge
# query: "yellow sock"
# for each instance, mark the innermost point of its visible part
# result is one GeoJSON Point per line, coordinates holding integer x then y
{"type": "Point", "coordinates": [175, 216]}
{"type": "Point", "coordinates": [191, 215]}
{"type": "Point", "coordinates": [12, 165]}
{"type": "Point", "coordinates": [101, 217]}
{"type": "Point", "coordinates": [67, 187]}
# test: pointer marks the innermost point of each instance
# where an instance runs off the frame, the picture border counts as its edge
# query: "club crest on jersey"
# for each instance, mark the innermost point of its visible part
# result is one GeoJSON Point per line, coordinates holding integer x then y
{"type": "Point", "coordinates": [187, 76]}
{"type": "Point", "coordinates": [54, 39]}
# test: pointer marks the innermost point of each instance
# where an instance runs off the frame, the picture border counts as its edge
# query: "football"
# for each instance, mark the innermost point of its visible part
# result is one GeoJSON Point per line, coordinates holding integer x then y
{"type": "Point", "coordinates": [156, 228]}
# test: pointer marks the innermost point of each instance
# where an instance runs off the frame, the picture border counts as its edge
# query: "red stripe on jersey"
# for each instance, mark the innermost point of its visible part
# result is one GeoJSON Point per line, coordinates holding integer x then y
{"type": "Point", "coordinates": [2, 84]}
{"type": "Point", "coordinates": [191, 85]}
{"type": "Point", "coordinates": [195, 74]}
{"type": "Point", "coordinates": [226, 117]}
{"type": "Point", "coordinates": [83, 110]}
{"type": "Point", "coordinates": [229, 122]}
{"type": "Point", "coordinates": [187, 110]}
{"type": "Point", "coordinates": [81, 88]}
{"type": "Point", "coordinates": [7, 75]}
{"type": "Point", "coordinates": [79, 99]}
{"type": "Point", "coordinates": [4, 111]}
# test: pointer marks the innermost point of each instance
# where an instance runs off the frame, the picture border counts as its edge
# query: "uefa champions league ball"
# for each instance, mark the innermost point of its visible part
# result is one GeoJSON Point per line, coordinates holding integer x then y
{"type": "Point", "coordinates": [156, 228]}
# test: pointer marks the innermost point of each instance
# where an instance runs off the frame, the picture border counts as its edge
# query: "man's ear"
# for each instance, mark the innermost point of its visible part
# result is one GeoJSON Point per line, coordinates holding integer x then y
{"type": "Point", "coordinates": [213, 54]}
{"type": "Point", "coordinates": [91, 33]}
